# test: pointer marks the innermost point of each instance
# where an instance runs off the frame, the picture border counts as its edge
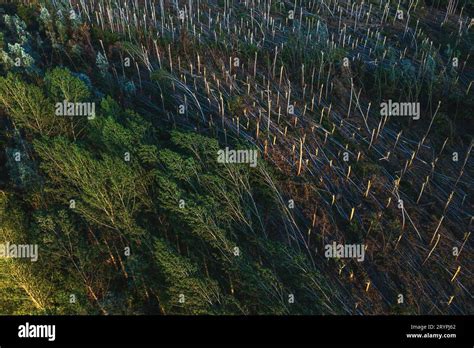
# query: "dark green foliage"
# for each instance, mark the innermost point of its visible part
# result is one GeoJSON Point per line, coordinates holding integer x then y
{"type": "Point", "coordinates": [63, 85]}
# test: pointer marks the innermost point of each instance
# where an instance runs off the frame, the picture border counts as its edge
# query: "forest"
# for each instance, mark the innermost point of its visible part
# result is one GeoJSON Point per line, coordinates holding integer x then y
{"type": "Point", "coordinates": [113, 114]}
